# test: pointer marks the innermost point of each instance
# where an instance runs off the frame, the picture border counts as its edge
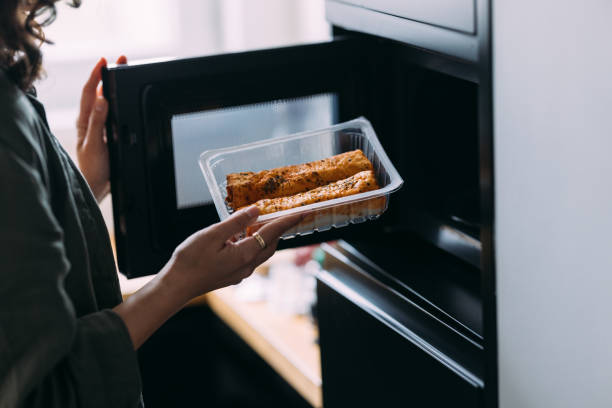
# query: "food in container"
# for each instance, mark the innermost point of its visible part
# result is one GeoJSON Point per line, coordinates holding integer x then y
{"type": "Point", "coordinates": [246, 188]}
{"type": "Point", "coordinates": [337, 175]}
{"type": "Point", "coordinates": [355, 184]}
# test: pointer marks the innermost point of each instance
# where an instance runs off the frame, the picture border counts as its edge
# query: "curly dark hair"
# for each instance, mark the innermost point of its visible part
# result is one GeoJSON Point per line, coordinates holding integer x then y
{"type": "Point", "coordinates": [21, 35]}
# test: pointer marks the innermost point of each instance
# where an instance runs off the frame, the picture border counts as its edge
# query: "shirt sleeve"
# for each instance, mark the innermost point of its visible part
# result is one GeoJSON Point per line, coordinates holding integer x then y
{"type": "Point", "coordinates": [48, 356]}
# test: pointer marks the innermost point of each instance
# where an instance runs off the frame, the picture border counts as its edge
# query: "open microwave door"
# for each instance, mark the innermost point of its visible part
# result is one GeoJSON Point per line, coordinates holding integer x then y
{"type": "Point", "coordinates": [164, 114]}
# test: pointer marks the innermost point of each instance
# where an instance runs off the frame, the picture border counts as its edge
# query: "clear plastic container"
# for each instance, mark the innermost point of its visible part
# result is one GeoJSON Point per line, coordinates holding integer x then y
{"type": "Point", "coordinates": [302, 148]}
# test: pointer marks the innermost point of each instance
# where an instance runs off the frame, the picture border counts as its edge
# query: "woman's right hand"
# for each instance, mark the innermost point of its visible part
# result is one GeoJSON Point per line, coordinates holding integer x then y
{"type": "Point", "coordinates": [210, 259]}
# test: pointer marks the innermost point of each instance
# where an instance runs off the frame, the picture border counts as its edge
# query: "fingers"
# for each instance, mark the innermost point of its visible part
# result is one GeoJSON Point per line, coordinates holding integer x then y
{"type": "Point", "coordinates": [91, 90]}
{"type": "Point", "coordinates": [265, 254]}
{"type": "Point", "coordinates": [95, 128]}
{"type": "Point", "coordinates": [235, 224]}
{"type": "Point", "coordinates": [88, 97]}
{"type": "Point", "coordinates": [248, 253]}
{"type": "Point", "coordinates": [261, 257]}
{"type": "Point", "coordinates": [120, 61]}
{"type": "Point", "coordinates": [94, 78]}
{"type": "Point", "coordinates": [276, 228]}
{"type": "Point", "coordinates": [270, 233]}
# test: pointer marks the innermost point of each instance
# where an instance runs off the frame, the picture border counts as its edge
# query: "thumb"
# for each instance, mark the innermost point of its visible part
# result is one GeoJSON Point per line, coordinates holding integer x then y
{"type": "Point", "coordinates": [97, 119]}
{"type": "Point", "coordinates": [235, 224]}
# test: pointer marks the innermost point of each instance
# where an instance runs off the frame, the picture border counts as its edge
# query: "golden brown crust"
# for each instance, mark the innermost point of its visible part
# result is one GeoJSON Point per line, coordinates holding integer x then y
{"type": "Point", "coordinates": [358, 183]}
{"type": "Point", "coordinates": [249, 187]}
{"type": "Point", "coordinates": [337, 214]}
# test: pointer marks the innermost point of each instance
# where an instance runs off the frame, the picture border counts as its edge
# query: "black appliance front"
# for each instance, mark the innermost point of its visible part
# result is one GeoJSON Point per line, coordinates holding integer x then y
{"type": "Point", "coordinates": [164, 114]}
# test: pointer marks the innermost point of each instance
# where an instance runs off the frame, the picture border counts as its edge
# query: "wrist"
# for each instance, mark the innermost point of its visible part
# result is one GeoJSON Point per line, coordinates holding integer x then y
{"type": "Point", "coordinates": [99, 190]}
{"type": "Point", "coordinates": [172, 282]}
{"type": "Point", "coordinates": [147, 309]}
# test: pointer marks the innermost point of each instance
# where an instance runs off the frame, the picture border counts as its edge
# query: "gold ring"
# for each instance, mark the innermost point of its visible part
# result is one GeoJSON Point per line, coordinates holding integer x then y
{"type": "Point", "coordinates": [260, 240]}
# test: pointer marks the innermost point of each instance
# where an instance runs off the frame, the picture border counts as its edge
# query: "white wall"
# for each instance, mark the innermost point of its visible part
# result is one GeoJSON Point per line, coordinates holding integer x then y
{"type": "Point", "coordinates": [553, 178]}
{"type": "Point", "coordinates": [160, 28]}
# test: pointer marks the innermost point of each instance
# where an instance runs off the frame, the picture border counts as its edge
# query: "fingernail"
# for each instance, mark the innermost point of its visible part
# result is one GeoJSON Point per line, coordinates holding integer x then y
{"type": "Point", "coordinates": [252, 211]}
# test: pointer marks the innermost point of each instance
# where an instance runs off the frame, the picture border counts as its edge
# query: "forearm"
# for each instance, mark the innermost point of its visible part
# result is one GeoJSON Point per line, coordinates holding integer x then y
{"type": "Point", "coordinates": [146, 310]}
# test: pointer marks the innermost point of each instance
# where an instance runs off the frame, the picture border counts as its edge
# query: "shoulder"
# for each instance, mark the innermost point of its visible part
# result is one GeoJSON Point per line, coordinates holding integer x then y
{"type": "Point", "coordinates": [21, 129]}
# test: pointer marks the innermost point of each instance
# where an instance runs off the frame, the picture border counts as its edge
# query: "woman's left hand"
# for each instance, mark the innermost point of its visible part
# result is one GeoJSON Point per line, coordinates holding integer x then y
{"type": "Point", "coordinates": [92, 152]}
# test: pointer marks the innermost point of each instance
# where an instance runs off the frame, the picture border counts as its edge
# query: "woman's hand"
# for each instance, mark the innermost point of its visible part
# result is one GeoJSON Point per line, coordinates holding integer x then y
{"type": "Point", "coordinates": [92, 152]}
{"type": "Point", "coordinates": [207, 260]}
{"type": "Point", "coordinates": [211, 259]}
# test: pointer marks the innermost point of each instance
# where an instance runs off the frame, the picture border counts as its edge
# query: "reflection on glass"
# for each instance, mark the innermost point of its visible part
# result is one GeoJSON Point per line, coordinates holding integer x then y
{"type": "Point", "coordinates": [193, 133]}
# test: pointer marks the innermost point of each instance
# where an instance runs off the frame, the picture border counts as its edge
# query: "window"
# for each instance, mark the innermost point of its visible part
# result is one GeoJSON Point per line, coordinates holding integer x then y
{"type": "Point", "coordinates": [192, 133]}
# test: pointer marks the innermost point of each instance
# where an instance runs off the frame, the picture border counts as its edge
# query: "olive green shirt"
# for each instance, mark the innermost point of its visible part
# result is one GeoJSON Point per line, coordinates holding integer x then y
{"type": "Point", "coordinates": [61, 345]}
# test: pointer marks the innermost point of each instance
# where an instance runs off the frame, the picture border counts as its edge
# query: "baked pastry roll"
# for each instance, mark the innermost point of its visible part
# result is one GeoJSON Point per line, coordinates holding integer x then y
{"type": "Point", "coordinates": [355, 184]}
{"type": "Point", "coordinates": [246, 188]}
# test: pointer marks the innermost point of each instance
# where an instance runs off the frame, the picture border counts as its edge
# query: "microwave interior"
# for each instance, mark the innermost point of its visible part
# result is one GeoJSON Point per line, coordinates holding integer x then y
{"type": "Point", "coordinates": [164, 114]}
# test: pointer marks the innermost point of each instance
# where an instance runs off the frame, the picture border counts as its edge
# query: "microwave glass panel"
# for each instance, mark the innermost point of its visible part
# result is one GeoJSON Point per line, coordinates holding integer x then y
{"type": "Point", "coordinates": [193, 133]}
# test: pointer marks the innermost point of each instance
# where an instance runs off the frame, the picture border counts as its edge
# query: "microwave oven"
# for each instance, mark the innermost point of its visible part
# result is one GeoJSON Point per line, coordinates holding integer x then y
{"type": "Point", "coordinates": [163, 114]}
{"type": "Point", "coordinates": [423, 270]}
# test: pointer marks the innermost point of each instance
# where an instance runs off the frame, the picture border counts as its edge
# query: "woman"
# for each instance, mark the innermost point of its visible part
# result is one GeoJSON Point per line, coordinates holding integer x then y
{"type": "Point", "coordinates": [65, 337]}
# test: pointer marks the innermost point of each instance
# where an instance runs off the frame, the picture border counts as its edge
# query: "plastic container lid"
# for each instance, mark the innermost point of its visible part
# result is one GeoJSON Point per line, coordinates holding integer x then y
{"type": "Point", "coordinates": [301, 148]}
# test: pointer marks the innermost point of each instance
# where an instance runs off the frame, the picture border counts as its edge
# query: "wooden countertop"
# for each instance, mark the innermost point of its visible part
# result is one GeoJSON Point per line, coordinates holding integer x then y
{"type": "Point", "coordinates": [285, 342]}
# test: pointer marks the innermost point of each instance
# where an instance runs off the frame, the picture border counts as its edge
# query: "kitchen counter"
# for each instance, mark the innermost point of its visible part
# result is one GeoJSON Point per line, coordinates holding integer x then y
{"type": "Point", "coordinates": [286, 342]}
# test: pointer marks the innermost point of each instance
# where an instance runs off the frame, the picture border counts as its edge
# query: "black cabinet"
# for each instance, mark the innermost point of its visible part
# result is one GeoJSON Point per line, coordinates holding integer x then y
{"type": "Point", "coordinates": [381, 349]}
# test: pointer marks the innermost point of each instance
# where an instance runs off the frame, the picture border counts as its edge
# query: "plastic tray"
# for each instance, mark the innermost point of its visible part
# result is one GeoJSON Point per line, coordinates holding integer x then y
{"type": "Point", "coordinates": [301, 148]}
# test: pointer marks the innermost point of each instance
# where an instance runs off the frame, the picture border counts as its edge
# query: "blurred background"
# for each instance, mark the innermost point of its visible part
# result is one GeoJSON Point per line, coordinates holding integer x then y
{"type": "Point", "coordinates": [159, 29]}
